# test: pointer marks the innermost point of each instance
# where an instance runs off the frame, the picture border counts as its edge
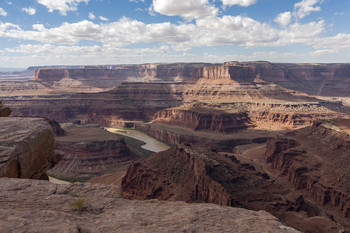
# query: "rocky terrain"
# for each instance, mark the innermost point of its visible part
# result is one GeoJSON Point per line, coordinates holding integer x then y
{"type": "Point", "coordinates": [40, 206]}
{"type": "Point", "coordinates": [199, 175]}
{"type": "Point", "coordinates": [256, 135]}
{"type": "Point", "coordinates": [313, 79]}
{"type": "Point", "coordinates": [26, 147]}
{"type": "Point", "coordinates": [90, 151]}
{"type": "Point", "coordinates": [91, 79]}
{"type": "Point", "coordinates": [322, 171]}
{"type": "Point", "coordinates": [213, 101]}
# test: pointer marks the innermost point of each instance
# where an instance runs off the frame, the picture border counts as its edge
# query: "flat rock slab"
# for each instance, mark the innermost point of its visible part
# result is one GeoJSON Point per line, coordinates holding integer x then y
{"type": "Point", "coordinates": [40, 206]}
{"type": "Point", "coordinates": [26, 147]}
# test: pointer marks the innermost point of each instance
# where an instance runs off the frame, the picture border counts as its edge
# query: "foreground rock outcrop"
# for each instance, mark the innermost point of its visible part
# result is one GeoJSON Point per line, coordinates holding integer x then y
{"type": "Point", "coordinates": [40, 206]}
{"type": "Point", "coordinates": [198, 175]}
{"type": "Point", "coordinates": [26, 147]}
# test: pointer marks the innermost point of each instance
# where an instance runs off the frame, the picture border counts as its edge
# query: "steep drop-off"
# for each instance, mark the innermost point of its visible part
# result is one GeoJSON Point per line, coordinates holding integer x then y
{"type": "Point", "coordinates": [26, 147]}
{"type": "Point", "coordinates": [198, 175]}
{"type": "Point", "coordinates": [313, 79]}
{"type": "Point", "coordinates": [90, 151]}
{"type": "Point", "coordinates": [315, 160]}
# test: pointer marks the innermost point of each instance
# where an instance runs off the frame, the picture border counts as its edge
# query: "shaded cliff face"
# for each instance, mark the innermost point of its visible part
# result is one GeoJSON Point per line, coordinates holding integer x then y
{"type": "Point", "coordinates": [39, 206]}
{"type": "Point", "coordinates": [26, 147]}
{"type": "Point", "coordinates": [316, 161]}
{"type": "Point", "coordinates": [197, 175]}
{"type": "Point", "coordinates": [90, 151]}
{"type": "Point", "coordinates": [4, 111]}
{"type": "Point", "coordinates": [313, 79]}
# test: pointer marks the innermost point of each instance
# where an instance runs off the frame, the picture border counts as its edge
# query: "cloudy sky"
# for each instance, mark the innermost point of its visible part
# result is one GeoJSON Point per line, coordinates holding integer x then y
{"type": "Point", "coordinates": [74, 32]}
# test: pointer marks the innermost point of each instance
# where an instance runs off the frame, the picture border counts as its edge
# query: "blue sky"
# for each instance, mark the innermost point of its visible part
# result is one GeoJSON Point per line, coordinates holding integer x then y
{"type": "Point", "coordinates": [91, 32]}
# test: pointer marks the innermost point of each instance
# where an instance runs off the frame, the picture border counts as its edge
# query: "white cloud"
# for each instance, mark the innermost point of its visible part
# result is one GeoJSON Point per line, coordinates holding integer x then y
{"type": "Point", "coordinates": [283, 19]}
{"type": "Point", "coordinates": [2, 12]}
{"type": "Point", "coordinates": [322, 52]}
{"type": "Point", "coordinates": [339, 42]}
{"type": "Point", "coordinates": [238, 2]}
{"type": "Point", "coordinates": [9, 3]}
{"type": "Point", "coordinates": [29, 10]}
{"type": "Point", "coordinates": [61, 5]}
{"type": "Point", "coordinates": [306, 7]}
{"type": "Point", "coordinates": [185, 8]}
{"type": "Point", "coordinates": [215, 31]}
{"type": "Point", "coordinates": [103, 18]}
{"type": "Point", "coordinates": [92, 16]}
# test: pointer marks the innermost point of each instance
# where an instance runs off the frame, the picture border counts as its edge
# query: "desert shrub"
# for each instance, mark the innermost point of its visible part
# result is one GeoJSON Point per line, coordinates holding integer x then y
{"type": "Point", "coordinates": [78, 204]}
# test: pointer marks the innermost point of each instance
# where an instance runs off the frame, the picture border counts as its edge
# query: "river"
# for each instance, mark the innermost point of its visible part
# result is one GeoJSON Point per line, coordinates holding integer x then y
{"type": "Point", "coordinates": [152, 144]}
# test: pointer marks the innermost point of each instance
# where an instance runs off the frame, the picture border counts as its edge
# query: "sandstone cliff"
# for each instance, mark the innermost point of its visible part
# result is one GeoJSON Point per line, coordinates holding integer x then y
{"type": "Point", "coordinates": [90, 151]}
{"type": "Point", "coordinates": [109, 77]}
{"type": "Point", "coordinates": [26, 147]}
{"type": "Point", "coordinates": [199, 175]}
{"type": "Point", "coordinates": [316, 161]}
{"type": "Point", "coordinates": [40, 206]}
{"type": "Point", "coordinates": [197, 117]}
{"type": "Point", "coordinates": [313, 79]}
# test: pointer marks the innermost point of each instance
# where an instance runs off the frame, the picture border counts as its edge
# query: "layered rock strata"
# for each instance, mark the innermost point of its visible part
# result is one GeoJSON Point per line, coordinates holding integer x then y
{"type": "Point", "coordinates": [315, 160]}
{"type": "Point", "coordinates": [90, 151]}
{"type": "Point", "coordinates": [198, 175]}
{"type": "Point", "coordinates": [107, 77]}
{"type": "Point", "coordinates": [313, 79]}
{"type": "Point", "coordinates": [26, 147]}
{"type": "Point", "coordinates": [40, 206]}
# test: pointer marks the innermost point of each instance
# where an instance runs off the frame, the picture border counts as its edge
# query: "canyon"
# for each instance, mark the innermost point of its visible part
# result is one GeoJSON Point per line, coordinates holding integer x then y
{"type": "Point", "coordinates": [254, 135]}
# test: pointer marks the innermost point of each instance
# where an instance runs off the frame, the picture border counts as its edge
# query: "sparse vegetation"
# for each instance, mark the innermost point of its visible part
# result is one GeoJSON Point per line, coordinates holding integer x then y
{"type": "Point", "coordinates": [78, 204]}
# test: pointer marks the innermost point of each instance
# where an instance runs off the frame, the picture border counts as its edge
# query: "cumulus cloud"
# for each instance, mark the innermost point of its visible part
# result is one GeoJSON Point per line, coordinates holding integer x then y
{"type": "Point", "coordinates": [61, 5]}
{"type": "Point", "coordinates": [103, 18]}
{"type": "Point", "coordinates": [29, 10]}
{"type": "Point", "coordinates": [213, 31]}
{"type": "Point", "coordinates": [238, 2]}
{"type": "Point", "coordinates": [283, 19]}
{"type": "Point", "coordinates": [191, 9]}
{"type": "Point", "coordinates": [339, 42]}
{"type": "Point", "coordinates": [306, 7]}
{"type": "Point", "coordinates": [2, 12]}
{"type": "Point", "coordinates": [92, 16]}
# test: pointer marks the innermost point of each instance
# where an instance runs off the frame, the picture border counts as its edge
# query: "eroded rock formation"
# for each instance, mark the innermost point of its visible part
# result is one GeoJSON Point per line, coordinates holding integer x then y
{"type": "Point", "coordinates": [199, 175]}
{"type": "Point", "coordinates": [26, 147]}
{"type": "Point", "coordinates": [90, 151]}
{"type": "Point", "coordinates": [315, 160]}
{"type": "Point", "coordinates": [313, 79]}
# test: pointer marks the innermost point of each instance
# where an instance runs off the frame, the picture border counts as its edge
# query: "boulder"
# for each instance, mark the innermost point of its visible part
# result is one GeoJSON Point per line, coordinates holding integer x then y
{"type": "Point", "coordinates": [26, 147]}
